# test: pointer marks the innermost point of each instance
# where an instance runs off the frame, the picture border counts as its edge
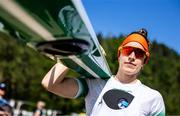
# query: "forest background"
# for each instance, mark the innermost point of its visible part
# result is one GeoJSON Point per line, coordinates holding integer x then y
{"type": "Point", "coordinates": [22, 69]}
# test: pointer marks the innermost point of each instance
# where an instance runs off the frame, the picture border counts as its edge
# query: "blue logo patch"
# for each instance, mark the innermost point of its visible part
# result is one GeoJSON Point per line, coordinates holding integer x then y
{"type": "Point", "coordinates": [123, 103]}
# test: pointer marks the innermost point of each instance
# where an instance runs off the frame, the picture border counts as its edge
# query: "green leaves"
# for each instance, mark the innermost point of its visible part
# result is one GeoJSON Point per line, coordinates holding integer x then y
{"type": "Point", "coordinates": [23, 69]}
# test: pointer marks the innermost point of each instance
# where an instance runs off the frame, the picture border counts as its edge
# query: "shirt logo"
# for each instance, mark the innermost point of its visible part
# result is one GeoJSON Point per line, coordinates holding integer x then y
{"type": "Point", "coordinates": [117, 99]}
{"type": "Point", "coordinates": [123, 103]}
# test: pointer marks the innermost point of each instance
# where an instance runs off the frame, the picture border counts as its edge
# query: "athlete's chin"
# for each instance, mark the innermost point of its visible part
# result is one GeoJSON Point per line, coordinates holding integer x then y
{"type": "Point", "coordinates": [130, 71]}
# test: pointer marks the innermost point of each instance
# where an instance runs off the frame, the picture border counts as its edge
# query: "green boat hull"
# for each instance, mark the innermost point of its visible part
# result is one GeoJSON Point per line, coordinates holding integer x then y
{"type": "Point", "coordinates": [60, 29]}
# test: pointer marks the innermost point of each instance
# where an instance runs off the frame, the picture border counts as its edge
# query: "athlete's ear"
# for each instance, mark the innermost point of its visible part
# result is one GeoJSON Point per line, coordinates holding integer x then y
{"type": "Point", "coordinates": [142, 66]}
{"type": "Point", "coordinates": [119, 58]}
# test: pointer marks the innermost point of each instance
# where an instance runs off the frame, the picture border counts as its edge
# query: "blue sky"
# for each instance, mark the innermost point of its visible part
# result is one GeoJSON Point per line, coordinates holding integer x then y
{"type": "Point", "coordinates": [160, 17]}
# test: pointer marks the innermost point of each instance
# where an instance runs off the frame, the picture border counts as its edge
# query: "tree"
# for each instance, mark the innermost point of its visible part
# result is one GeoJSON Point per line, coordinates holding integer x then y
{"type": "Point", "coordinates": [23, 68]}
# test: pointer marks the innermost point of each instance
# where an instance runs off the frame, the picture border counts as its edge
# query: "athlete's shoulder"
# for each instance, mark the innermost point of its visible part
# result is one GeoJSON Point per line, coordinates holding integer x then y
{"type": "Point", "coordinates": [87, 86]}
{"type": "Point", "coordinates": [95, 81]}
{"type": "Point", "coordinates": [148, 91]}
{"type": "Point", "coordinates": [154, 99]}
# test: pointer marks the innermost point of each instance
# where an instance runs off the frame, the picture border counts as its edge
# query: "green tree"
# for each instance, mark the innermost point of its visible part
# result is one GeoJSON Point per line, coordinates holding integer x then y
{"type": "Point", "coordinates": [23, 68]}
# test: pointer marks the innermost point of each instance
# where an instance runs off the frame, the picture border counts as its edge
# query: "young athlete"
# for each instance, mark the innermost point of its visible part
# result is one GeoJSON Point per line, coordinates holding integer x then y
{"type": "Point", "coordinates": [123, 94]}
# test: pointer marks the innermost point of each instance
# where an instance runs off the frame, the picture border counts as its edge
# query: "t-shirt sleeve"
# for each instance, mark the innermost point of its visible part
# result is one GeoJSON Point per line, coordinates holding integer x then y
{"type": "Point", "coordinates": [83, 87]}
{"type": "Point", "coordinates": [158, 107]}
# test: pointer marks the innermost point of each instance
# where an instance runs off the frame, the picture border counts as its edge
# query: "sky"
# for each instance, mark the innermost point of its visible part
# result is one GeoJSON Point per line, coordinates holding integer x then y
{"type": "Point", "coordinates": [160, 17]}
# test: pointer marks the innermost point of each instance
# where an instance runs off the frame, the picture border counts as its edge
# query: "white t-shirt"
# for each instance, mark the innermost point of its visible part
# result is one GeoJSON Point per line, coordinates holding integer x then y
{"type": "Point", "coordinates": [146, 101]}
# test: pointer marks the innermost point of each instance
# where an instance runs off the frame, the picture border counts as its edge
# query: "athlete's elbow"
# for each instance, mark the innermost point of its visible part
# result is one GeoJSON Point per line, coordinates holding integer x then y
{"type": "Point", "coordinates": [45, 84]}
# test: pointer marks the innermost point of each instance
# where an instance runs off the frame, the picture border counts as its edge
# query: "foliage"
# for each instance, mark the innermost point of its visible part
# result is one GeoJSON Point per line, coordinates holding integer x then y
{"type": "Point", "coordinates": [23, 68]}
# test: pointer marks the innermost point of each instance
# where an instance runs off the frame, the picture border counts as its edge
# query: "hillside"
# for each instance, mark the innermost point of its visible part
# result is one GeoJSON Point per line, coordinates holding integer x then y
{"type": "Point", "coordinates": [23, 68]}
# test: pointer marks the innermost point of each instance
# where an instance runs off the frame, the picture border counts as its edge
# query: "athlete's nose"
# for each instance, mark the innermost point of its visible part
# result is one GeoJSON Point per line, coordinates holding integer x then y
{"type": "Point", "coordinates": [131, 56]}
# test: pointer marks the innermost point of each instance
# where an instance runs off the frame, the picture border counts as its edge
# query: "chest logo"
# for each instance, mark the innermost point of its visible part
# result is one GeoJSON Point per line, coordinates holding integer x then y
{"type": "Point", "coordinates": [117, 99]}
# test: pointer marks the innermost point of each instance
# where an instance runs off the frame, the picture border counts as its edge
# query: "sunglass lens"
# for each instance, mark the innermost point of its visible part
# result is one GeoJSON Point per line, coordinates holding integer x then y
{"type": "Point", "coordinates": [139, 53]}
{"type": "Point", "coordinates": [128, 50]}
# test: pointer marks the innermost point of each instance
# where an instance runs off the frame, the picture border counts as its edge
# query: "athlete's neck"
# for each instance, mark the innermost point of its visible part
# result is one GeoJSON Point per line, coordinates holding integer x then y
{"type": "Point", "coordinates": [124, 78]}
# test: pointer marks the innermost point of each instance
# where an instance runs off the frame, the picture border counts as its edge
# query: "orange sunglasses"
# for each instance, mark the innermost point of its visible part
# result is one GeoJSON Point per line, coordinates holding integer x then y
{"type": "Point", "coordinates": [127, 50]}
